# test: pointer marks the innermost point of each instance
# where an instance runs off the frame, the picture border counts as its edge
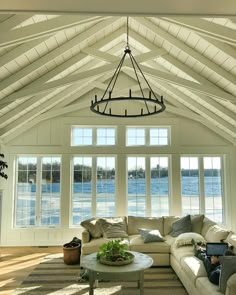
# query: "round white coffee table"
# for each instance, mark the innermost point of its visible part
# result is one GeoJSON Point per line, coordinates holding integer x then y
{"type": "Point", "coordinates": [130, 272]}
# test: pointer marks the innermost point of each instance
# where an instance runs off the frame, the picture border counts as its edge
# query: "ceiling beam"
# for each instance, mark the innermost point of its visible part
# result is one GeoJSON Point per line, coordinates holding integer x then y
{"type": "Point", "coordinates": [44, 60]}
{"type": "Point", "coordinates": [224, 47]}
{"type": "Point", "coordinates": [12, 22]}
{"type": "Point", "coordinates": [20, 50]}
{"type": "Point", "coordinates": [41, 29]}
{"type": "Point", "coordinates": [206, 28]}
{"type": "Point", "coordinates": [220, 124]}
{"type": "Point", "coordinates": [187, 49]}
{"type": "Point", "coordinates": [122, 7]}
{"type": "Point", "coordinates": [47, 87]}
{"type": "Point", "coordinates": [44, 111]}
{"type": "Point", "coordinates": [199, 88]}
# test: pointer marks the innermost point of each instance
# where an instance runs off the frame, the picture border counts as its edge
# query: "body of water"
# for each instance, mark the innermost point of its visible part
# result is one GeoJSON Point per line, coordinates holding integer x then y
{"type": "Point", "coordinates": [189, 186]}
{"type": "Point", "coordinates": [82, 196]}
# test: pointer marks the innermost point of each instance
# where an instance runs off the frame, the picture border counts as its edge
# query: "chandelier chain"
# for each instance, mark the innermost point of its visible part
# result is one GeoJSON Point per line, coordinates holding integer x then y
{"type": "Point", "coordinates": [150, 105]}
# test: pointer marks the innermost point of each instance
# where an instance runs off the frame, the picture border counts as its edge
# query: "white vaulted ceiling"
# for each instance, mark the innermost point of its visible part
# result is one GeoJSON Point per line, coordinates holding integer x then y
{"type": "Point", "coordinates": [48, 63]}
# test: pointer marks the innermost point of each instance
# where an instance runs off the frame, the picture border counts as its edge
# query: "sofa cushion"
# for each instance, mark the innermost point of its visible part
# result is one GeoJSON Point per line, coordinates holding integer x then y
{"type": "Point", "coordinates": [113, 227]}
{"type": "Point", "coordinates": [167, 223]}
{"type": "Point", "coordinates": [194, 267]}
{"type": "Point", "coordinates": [92, 246]}
{"type": "Point", "coordinates": [205, 287]}
{"type": "Point", "coordinates": [180, 252]}
{"type": "Point", "coordinates": [93, 227]}
{"type": "Point", "coordinates": [231, 284]}
{"type": "Point", "coordinates": [228, 267]}
{"type": "Point", "coordinates": [216, 233]}
{"type": "Point", "coordinates": [231, 239]}
{"type": "Point", "coordinates": [151, 235]}
{"type": "Point", "coordinates": [207, 223]}
{"type": "Point", "coordinates": [186, 239]}
{"type": "Point", "coordinates": [180, 226]}
{"type": "Point", "coordinates": [197, 223]}
{"type": "Point", "coordinates": [136, 222]}
{"type": "Point", "coordinates": [137, 244]}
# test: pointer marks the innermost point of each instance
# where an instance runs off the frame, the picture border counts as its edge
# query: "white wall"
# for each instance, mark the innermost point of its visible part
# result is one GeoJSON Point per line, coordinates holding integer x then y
{"type": "Point", "coordinates": [53, 137]}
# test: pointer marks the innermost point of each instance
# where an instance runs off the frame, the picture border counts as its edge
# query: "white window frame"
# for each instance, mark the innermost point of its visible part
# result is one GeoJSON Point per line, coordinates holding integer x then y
{"type": "Point", "coordinates": [202, 193]}
{"type": "Point", "coordinates": [38, 192]}
{"type": "Point", "coordinates": [147, 139]}
{"type": "Point", "coordinates": [93, 185]}
{"type": "Point", "coordinates": [148, 196]}
{"type": "Point", "coordinates": [94, 139]}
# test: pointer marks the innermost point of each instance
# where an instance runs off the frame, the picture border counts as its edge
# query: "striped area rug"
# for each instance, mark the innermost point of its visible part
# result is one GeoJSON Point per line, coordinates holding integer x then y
{"type": "Point", "coordinates": [53, 277]}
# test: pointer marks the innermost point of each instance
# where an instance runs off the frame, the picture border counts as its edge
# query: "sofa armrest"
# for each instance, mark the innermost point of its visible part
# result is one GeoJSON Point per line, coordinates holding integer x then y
{"type": "Point", "coordinates": [231, 285]}
{"type": "Point", "coordinates": [85, 236]}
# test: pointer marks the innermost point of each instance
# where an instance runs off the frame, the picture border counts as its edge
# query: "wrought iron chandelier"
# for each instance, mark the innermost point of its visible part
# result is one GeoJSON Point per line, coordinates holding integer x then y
{"type": "Point", "coordinates": [150, 105]}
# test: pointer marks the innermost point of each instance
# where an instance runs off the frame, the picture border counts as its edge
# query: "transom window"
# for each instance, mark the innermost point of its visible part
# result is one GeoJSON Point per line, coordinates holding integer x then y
{"type": "Point", "coordinates": [159, 136]}
{"type": "Point", "coordinates": [147, 136]}
{"type": "Point", "coordinates": [93, 136]}
{"type": "Point", "coordinates": [82, 136]}
{"type": "Point", "coordinates": [105, 136]}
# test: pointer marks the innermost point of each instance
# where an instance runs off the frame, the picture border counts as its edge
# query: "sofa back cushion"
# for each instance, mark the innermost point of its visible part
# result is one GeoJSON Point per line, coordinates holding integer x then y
{"type": "Point", "coordinates": [231, 239]}
{"type": "Point", "coordinates": [93, 227]}
{"type": "Point", "coordinates": [207, 223]}
{"type": "Point", "coordinates": [168, 220]}
{"type": "Point", "coordinates": [216, 233]}
{"type": "Point", "coordinates": [183, 225]}
{"type": "Point", "coordinates": [113, 227]}
{"type": "Point", "coordinates": [136, 222]}
{"type": "Point", "coordinates": [197, 223]}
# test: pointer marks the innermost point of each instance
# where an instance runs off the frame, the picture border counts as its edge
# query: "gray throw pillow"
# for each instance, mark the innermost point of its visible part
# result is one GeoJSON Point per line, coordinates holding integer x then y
{"type": "Point", "coordinates": [228, 267]}
{"type": "Point", "coordinates": [197, 222]}
{"type": "Point", "coordinates": [113, 228]}
{"type": "Point", "coordinates": [93, 227]}
{"type": "Point", "coordinates": [183, 225]}
{"type": "Point", "coordinates": [151, 235]}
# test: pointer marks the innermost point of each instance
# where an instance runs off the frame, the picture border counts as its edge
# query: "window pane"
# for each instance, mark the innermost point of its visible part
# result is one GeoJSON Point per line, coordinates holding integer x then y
{"type": "Point", "coordinates": [105, 136]}
{"type": "Point", "coordinates": [50, 191]}
{"type": "Point", "coordinates": [136, 186]}
{"type": "Point", "coordinates": [213, 188]}
{"type": "Point", "coordinates": [81, 136]}
{"type": "Point", "coordinates": [159, 186]}
{"type": "Point", "coordinates": [158, 136]}
{"type": "Point", "coordinates": [25, 211]}
{"type": "Point", "coordinates": [135, 136]}
{"type": "Point", "coordinates": [105, 200]}
{"type": "Point", "coordinates": [190, 185]}
{"type": "Point", "coordinates": [81, 189]}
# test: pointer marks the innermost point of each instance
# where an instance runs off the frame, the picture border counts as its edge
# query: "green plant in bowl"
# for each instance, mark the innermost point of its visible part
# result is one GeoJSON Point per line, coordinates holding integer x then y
{"type": "Point", "coordinates": [114, 251]}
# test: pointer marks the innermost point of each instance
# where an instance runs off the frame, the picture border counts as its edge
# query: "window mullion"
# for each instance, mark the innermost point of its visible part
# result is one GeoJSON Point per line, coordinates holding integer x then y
{"type": "Point", "coordinates": [94, 136]}
{"type": "Point", "coordinates": [38, 190]}
{"type": "Point", "coordinates": [147, 136]}
{"type": "Point", "coordinates": [94, 185]}
{"type": "Point", "coordinates": [148, 186]}
{"type": "Point", "coordinates": [201, 185]}
{"type": "Point", "coordinates": [223, 186]}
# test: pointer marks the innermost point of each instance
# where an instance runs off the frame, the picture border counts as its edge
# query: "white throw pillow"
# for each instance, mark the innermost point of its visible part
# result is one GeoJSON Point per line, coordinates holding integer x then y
{"type": "Point", "coordinates": [186, 239]}
{"type": "Point", "coordinates": [216, 233]}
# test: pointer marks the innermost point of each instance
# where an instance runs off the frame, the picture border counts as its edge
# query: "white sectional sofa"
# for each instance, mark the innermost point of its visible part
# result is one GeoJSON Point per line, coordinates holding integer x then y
{"type": "Point", "coordinates": [167, 240]}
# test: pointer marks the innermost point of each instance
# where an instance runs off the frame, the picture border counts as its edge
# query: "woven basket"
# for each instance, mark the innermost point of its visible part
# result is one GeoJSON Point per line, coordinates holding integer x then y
{"type": "Point", "coordinates": [71, 255]}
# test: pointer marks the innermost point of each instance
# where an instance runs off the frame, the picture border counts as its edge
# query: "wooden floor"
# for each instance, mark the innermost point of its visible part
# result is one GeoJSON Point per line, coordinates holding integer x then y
{"type": "Point", "coordinates": [17, 262]}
